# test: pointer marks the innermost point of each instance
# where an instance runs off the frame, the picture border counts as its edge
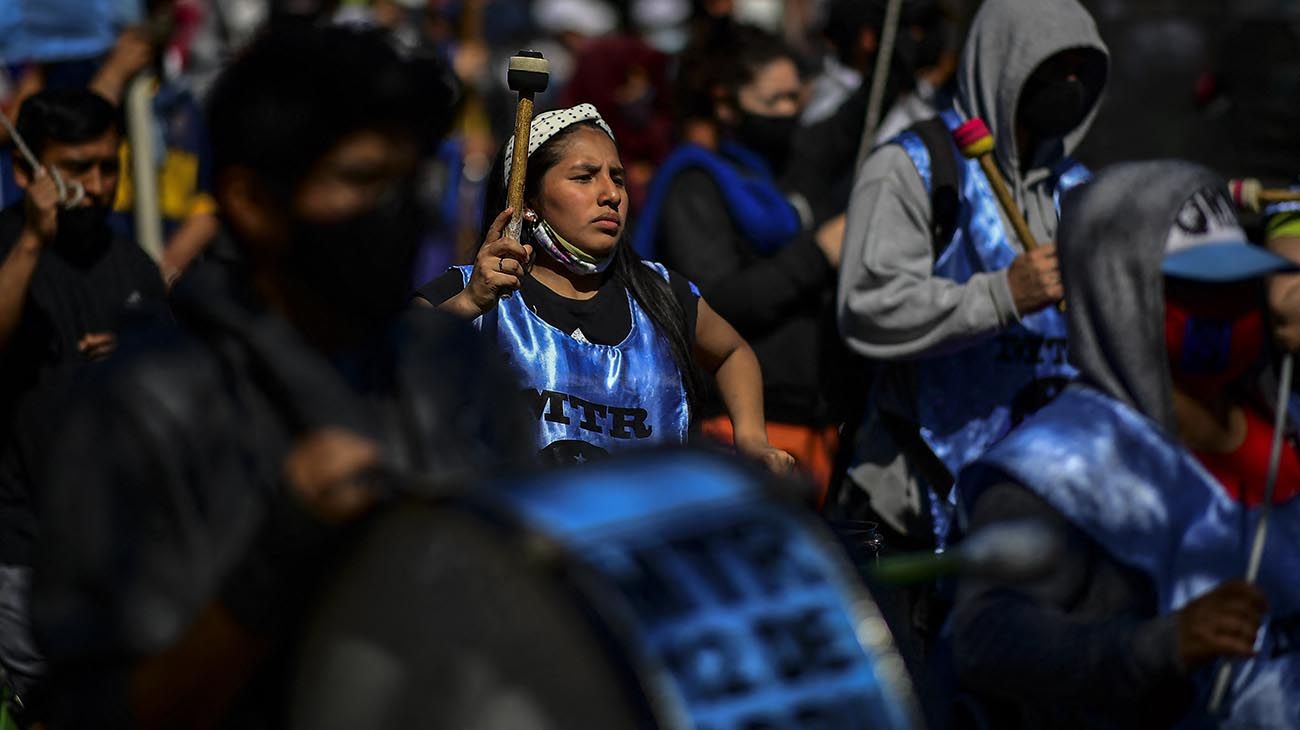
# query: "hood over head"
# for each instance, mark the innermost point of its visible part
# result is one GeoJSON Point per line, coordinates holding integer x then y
{"type": "Point", "coordinates": [1008, 40]}
{"type": "Point", "coordinates": [1118, 234]}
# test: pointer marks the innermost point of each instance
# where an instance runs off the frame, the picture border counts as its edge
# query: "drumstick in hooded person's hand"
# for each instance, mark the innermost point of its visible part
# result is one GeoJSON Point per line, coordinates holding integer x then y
{"type": "Point", "coordinates": [975, 141]}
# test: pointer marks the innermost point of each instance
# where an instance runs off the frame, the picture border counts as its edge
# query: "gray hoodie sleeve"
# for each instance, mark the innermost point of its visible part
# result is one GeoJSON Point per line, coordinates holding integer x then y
{"type": "Point", "coordinates": [889, 304]}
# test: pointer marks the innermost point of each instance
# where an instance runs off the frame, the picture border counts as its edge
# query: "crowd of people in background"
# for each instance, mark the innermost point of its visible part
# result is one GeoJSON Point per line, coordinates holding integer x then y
{"type": "Point", "coordinates": [745, 223]}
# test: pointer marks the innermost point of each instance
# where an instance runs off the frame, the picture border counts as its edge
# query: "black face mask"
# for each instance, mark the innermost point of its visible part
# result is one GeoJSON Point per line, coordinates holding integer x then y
{"type": "Point", "coordinates": [770, 137]}
{"type": "Point", "coordinates": [361, 266]}
{"type": "Point", "coordinates": [912, 55]}
{"type": "Point", "coordinates": [1053, 108]}
{"type": "Point", "coordinates": [82, 232]}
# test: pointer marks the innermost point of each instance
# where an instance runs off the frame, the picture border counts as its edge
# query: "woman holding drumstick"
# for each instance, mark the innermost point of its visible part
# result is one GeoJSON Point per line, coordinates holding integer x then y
{"type": "Point", "coordinates": [607, 344]}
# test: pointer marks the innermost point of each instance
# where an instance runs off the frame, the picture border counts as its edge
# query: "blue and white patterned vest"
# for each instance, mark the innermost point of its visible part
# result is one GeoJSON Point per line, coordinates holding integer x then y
{"type": "Point", "coordinates": [589, 398]}
{"type": "Point", "coordinates": [969, 399]}
{"type": "Point", "coordinates": [1148, 502]}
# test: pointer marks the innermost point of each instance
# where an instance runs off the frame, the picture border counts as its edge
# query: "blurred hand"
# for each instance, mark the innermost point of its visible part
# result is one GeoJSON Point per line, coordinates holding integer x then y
{"type": "Point", "coordinates": [470, 62]}
{"type": "Point", "coordinates": [830, 239]}
{"type": "Point", "coordinates": [1221, 623]}
{"type": "Point", "coordinates": [131, 53]}
{"type": "Point", "coordinates": [41, 202]}
{"type": "Point", "coordinates": [326, 471]}
{"type": "Point", "coordinates": [499, 270]}
{"type": "Point", "coordinates": [1035, 279]}
{"type": "Point", "coordinates": [773, 459]}
{"type": "Point", "coordinates": [97, 345]}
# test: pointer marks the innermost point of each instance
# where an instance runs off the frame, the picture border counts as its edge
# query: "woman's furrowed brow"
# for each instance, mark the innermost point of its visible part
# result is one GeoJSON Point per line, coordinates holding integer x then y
{"type": "Point", "coordinates": [592, 168]}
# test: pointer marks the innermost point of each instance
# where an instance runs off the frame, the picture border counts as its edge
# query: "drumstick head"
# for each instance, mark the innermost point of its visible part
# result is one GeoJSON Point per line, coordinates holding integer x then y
{"type": "Point", "coordinates": [1245, 193]}
{"type": "Point", "coordinates": [529, 72]}
{"type": "Point", "coordinates": [973, 137]}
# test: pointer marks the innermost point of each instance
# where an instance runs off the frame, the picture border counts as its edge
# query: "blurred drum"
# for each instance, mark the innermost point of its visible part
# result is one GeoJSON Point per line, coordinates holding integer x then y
{"type": "Point", "coordinates": [664, 590]}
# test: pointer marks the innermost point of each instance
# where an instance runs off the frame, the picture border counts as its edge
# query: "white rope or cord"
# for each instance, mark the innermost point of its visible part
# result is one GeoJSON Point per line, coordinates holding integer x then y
{"type": "Point", "coordinates": [22, 145]}
{"type": "Point", "coordinates": [69, 194]}
{"type": "Point", "coordinates": [1261, 528]}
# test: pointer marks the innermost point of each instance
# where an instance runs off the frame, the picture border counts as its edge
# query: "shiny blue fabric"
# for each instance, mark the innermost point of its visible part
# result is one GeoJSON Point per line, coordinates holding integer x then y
{"type": "Point", "coordinates": [969, 399]}
{"type": "Point", "coordinates": [1148, 502]}
{"type": "Point", "coordinates": [610, 397]}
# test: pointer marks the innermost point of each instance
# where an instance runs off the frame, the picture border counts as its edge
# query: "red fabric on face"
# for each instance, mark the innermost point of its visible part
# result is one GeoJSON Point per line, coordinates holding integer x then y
{"type": "Point", "coordinates": [1207, 353]}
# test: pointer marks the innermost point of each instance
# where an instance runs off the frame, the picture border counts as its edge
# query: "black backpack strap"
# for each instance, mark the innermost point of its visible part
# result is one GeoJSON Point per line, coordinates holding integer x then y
{"type": "Point", "coordinates": [944, 201]}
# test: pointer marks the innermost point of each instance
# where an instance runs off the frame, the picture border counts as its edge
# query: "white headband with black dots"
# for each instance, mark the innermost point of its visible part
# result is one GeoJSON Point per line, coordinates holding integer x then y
{"type": "Point", "coordinates": [549, 124]}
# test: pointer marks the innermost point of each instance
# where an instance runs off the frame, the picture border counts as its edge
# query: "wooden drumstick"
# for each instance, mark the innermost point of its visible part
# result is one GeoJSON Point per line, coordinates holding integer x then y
{"type": "Point", "coordinates": [976, 142]}
{"type": "Point", "coordinates": [528, 75]}
{"type": "Point", "coordinates": [1250, 194]}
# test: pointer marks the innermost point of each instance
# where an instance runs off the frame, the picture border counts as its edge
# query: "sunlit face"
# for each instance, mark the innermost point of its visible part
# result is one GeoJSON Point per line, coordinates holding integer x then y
{"type": "Point", "coordinates": [583, 196]}
{"type": "Point", "coordinates": [775, 91]}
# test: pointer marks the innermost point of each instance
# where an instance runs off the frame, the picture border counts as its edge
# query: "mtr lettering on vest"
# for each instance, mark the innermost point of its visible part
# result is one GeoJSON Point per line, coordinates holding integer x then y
{"type": "Point", "coordinates": [1032, 349]}
{"type": "Point", "coordinates": [562, 408]}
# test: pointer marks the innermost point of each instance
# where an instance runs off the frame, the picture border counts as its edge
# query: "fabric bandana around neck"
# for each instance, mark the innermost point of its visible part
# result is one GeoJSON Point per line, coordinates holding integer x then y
{"type": "Point", "coordinates": [569, 256]}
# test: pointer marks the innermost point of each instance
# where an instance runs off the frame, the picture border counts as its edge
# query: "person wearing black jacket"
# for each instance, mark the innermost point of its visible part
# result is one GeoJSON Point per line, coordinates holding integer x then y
{"type": "Point", "coordinates": [66, 285]}
{"type": "Point", "coordinates": [717, 214]}
{"type": "Point", "coordinates": [211, 476]}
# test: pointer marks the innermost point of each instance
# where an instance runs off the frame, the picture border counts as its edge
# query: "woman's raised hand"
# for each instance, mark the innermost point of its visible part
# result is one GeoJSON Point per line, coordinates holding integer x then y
{"type": "Point", "coordinates": [499, 271]}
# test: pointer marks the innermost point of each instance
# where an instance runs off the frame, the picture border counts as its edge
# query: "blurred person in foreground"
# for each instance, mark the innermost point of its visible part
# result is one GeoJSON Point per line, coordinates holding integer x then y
{"type": "Point", "coordinates": [717, 213]}
{"type": "Point", "coordinates": [1152, 468]}
{"type": "Point", "coordinates": [66, 285]}
{"type": "Point", "coordinates": [208, 482]}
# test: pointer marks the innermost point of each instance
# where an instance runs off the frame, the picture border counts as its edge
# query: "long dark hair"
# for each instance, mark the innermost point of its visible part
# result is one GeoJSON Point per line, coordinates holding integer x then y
{"type": "Point", "coordinates": [648, 288]}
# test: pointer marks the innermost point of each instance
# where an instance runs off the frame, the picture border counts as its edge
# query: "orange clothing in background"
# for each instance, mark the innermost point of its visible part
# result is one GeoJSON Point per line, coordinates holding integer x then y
{"type": "Point", "coordinates": [812, 447]}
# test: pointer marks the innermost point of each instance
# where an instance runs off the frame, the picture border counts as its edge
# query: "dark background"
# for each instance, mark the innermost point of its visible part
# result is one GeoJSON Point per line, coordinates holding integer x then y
{"type": "Point", "coordinates": [1214, 82]}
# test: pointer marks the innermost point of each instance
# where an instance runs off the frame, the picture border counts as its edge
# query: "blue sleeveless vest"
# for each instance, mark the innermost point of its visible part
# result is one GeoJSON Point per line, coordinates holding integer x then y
{"type": "Point", "coordinates": [588, 398]}
{"type": "Point", "coordinates": [969, 399]}
{"type": "Point", "coordinates": [1147, 501]}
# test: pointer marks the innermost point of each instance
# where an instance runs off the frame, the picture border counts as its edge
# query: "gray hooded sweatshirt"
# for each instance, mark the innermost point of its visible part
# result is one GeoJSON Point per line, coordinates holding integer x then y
{"type": "Point", "coordinates": [1083, 647]}
{"type": "Point", "coordinates": [889, 304]}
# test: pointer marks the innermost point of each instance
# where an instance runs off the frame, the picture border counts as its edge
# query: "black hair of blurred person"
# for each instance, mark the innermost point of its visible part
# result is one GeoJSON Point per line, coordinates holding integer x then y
{"type": "Point", "coordinates": [290, 12]}
{"type": "Point", "coordinates": [848, 20]}
{"type": "Point", "coordinates": [298, 90]}
{"type": "Point", "coordinates": [647, 287]}
{"type": "Point", "coordinates": [329, 220]}
{"type": "Point", "coordinates": [64, 116]}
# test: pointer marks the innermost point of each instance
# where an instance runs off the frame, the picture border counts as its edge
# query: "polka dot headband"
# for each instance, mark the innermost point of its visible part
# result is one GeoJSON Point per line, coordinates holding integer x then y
{"type": "Point", "coordinates": [548, 124]}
